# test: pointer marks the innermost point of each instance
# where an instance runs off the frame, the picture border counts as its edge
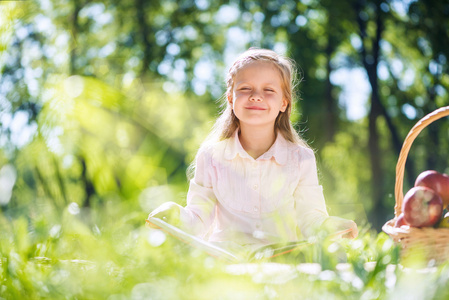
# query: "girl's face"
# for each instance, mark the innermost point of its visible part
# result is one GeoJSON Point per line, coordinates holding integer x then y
{"type": "Point", "coordinates": [257, 96]}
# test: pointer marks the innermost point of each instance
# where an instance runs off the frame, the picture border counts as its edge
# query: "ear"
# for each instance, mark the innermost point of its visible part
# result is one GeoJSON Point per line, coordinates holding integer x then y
{"type": "Point", "coordinates": [284, 105]}
{"type": "Point", "coordinates": [229, 97]}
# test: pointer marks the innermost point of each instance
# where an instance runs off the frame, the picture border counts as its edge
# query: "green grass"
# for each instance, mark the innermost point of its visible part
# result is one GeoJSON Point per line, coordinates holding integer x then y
{"type": "Point", "coordinates": [108, 253]}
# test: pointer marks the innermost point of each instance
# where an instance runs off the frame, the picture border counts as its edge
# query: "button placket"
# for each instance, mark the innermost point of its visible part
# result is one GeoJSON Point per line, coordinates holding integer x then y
{"type": "Point", "coordinates": [255, 175]}
{"type": "Point", "coordinates": [254, 185]}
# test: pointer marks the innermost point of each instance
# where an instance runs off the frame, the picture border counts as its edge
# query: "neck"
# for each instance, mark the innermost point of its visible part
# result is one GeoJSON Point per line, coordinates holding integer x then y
{"type": "Point", "coordinates": [256, 141]}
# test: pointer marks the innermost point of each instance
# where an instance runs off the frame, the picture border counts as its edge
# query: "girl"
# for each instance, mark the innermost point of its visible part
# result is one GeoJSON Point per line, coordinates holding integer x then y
{"type": "Point", "coordinates": [255, 180]}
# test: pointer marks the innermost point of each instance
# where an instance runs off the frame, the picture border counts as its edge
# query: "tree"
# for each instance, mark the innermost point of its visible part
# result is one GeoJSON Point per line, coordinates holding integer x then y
{"type": "Point", "coordinates": [138, 65]}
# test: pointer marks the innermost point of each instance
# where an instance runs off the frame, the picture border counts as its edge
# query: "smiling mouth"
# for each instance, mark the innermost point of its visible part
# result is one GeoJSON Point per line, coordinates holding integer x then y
{"type": "Point", "coordinates": [255, 108]}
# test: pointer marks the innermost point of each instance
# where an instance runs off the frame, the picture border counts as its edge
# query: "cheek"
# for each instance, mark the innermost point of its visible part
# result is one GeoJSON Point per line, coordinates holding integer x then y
{"type": "Point", "coordinates": [237, 100]}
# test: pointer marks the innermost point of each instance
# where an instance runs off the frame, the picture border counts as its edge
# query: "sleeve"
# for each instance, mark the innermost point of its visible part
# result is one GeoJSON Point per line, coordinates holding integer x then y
{"type": "Point", "coordinates": [199, 213]}
{"type": "Point", "coordinates": [310, 205]}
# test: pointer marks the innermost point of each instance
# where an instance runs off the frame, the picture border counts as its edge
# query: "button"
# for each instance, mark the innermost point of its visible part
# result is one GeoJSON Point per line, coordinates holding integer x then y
{"type": "Point", "coordinates": [255, 186]}
{"type": "Point", "coordinates": [256, 209]}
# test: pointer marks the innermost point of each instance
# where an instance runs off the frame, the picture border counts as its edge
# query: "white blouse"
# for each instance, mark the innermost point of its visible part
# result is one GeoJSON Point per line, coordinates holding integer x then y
{"type": "Point", "coordinates": [234, 197]}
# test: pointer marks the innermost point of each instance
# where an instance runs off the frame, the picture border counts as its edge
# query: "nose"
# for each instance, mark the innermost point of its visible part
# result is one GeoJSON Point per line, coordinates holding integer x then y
{"type": "Point", "coordinates": [256, 96]}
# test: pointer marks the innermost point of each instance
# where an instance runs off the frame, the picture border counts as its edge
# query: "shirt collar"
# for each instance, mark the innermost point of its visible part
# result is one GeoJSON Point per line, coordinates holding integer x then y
{"type": "Point", "coordinates": [278, 150]}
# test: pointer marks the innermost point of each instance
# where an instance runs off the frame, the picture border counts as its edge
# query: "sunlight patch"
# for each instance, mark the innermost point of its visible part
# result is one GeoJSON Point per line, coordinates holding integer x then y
{"type": "Point", "coordinates": [73, 208]}
{"type": "Point", "coordinates": [74, 86]}
{"type": "Point", "coordinates": [153, 197]}
{"type": "Point", "coordinates": [156, 237]}
{"type": "Point", "coordinates": [7, 180]}
{"type": "Point", "coordinates": [55, 231]}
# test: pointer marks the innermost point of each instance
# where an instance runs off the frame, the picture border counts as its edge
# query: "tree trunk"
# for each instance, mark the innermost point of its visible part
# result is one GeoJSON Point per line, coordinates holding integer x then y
{"type": "Point", "coordinates": [370, 62]}
{"type": "Point", "coordinates": [329, 101]}
{"type": "Point", "coordinates": [75, 30]}
{"type": "Point", "coordinates": [432, 159]}
{"type": "Point", "coordinates": [378, 191]}
{"type": "Point", "coordinates": [88, 185]}
{"type": "Point", "coordinates": [144, 33]}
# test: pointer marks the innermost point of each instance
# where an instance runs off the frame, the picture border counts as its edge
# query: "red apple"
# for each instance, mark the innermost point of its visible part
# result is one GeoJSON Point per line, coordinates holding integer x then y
{"type": "Point", "coordinates": [436, 181]}
{"type": "Point", "coordinates": [422, 207]}
{"type": "Point", "coordinates": [400, 221]}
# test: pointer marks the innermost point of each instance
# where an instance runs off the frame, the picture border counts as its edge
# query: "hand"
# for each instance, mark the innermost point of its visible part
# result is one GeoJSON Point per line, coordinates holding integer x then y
{"type": "Point", "coordinates": [336, 224]}
{"type": "Point", "coordinates": [168, 212]}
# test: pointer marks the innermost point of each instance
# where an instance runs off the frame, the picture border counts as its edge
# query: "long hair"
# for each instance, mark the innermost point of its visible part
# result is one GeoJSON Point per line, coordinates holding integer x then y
{"type": "Point", "coordinates": [227, 123]}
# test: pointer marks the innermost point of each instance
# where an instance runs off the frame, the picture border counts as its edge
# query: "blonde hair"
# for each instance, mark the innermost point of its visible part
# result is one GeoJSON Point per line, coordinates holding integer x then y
{"type": "Point", "coordinates": [227, 123]}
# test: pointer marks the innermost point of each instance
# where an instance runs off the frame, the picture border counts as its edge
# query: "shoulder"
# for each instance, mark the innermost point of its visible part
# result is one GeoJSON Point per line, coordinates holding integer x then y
{"type": "Point", "coordinates": [300, 152]}
{"type": "Point", "coordinates": [294, 150]}
{"type": "Point", "coordinates": [213, 147]}
{"type": "Point", "coordinates": [303, 162]}
{"type": "Point", "coordinates": [212, 151]}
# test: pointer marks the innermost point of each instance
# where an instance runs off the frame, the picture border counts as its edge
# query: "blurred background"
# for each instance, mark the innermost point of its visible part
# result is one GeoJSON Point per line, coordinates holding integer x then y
{"type": "Point", "coordinates": [104, 103]}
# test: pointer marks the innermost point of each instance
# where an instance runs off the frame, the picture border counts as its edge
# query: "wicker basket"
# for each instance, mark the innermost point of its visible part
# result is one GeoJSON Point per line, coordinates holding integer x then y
{"type": "Point", "coordinates": [427, 242]}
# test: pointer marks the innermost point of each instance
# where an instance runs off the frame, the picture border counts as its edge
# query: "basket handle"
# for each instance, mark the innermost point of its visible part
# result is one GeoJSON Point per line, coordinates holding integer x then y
{"type": "Point", "coordinates": [400, 166]}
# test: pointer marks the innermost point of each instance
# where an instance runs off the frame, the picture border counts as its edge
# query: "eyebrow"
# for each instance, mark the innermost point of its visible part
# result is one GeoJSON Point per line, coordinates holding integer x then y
{"type": "Point", "coordinates": [246, 82]}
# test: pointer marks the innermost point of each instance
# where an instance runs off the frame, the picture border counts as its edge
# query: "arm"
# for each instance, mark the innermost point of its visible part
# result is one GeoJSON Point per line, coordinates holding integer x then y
{"type": "Point", "coordinates": [335, 224]}
{"type": "Point", "coordinates": [201, 200]}
{"type": "Point", "coordinates": [310, 204]}
{"type": "Point", "coordinates": [168, 212]}
{"type": "Point", "coordinates": [197, 217]}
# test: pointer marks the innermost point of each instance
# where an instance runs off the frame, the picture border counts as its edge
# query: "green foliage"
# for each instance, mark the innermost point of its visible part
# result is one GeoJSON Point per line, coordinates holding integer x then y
{"type": "Point", "coordinates": [103, 105]}
{"type": "Point", "coordinates": [106, 252]}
